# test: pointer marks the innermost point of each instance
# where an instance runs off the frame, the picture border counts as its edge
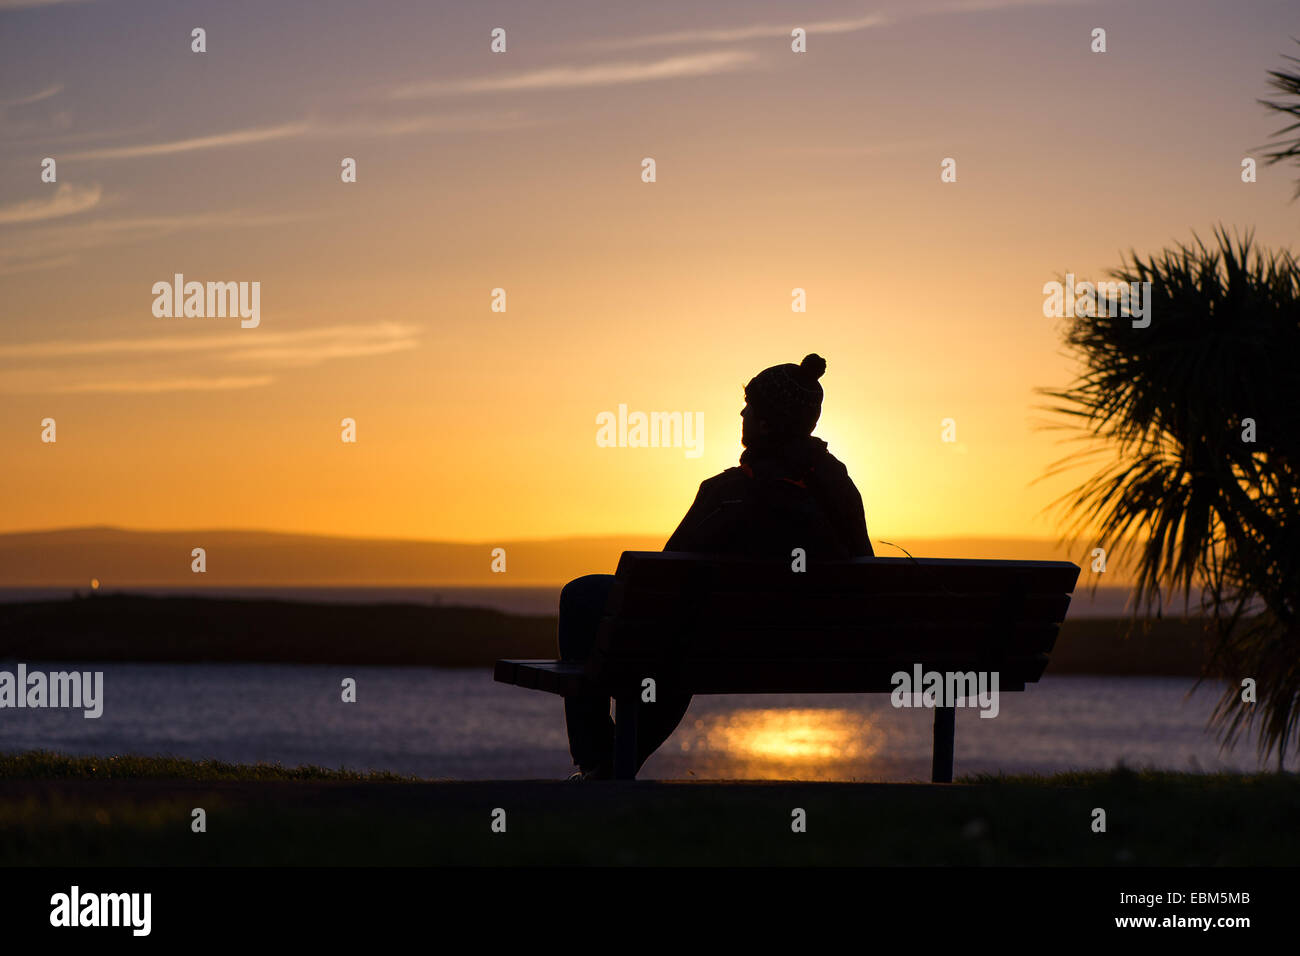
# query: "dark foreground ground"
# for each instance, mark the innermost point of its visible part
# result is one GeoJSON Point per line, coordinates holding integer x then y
{"type": "Point", "coordinates": [60, 811]}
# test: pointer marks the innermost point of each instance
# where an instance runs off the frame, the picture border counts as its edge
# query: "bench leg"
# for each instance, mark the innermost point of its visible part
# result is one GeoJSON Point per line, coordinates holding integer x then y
{"type": "Point", "coordinates": [625, 735]}
{"type": "Point", "coordinates": [945, 729]}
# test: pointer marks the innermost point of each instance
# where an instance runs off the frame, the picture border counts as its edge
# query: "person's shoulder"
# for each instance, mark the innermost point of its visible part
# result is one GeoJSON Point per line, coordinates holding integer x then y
{"type": "Point", "coordinates": [729, 475]}
{"type": "Point", "coordinates": [826, 463]}
{"type": "Point", "coordinates": [723, 478]}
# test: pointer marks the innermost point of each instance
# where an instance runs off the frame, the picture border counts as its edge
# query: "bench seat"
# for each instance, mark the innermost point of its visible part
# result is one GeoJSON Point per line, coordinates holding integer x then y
{"type": "Point", "coordinates": [707, 624]}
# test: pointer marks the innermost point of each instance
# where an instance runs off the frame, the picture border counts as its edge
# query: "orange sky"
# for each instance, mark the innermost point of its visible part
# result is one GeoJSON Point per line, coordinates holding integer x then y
{"type": "Point", "coordinates": [522, 171]}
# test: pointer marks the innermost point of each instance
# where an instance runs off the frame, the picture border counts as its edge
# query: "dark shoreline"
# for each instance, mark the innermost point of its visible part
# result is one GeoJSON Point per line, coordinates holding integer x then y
{"type": "Point", "coordinates": [190, 630]}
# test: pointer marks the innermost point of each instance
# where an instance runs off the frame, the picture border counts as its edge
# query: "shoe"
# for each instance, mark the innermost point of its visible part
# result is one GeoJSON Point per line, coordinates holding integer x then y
{"type": "Point", "coordinates": [599, 773]}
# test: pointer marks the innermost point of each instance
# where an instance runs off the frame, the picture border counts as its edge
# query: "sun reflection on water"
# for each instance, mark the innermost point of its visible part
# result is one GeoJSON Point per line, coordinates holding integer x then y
{"type": "Point", "coordinates": [781, 744]}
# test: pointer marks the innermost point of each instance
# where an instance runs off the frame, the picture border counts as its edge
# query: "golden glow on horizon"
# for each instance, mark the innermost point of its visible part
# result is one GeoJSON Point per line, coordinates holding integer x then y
{"type": "Point", "coordinates": [473, 425]}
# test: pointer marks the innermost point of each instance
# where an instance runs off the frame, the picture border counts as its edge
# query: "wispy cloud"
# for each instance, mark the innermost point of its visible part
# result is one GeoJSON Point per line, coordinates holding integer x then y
{"type": "Point", "coordinates": [66, 201]}
{"type": "Point", "coordinates": [295, 345]}
{"type": "Point", "coordinates": [28, 4]}
{"type": "Point", "coordinates": [39, 248]}
{"type": "Point", "coordinates": [298, 350]}
{"type": "Point", "coordinates": [756, 31]}
{"type": "Point", "coordinates": [574, 77]}
{"type": "Point", "coordinates": [986, 6]}
{"type": "Point", "coordinates": [262, 353]}
{"type": "Point", "coordinates": [153, 226]}
{"type": "Point", "coordinates": [153, 386]}
{"type": "Point", "coordinates": [317, 129]}
{"type": "Point", "coordinates": [19, 119]}
{"type": "Point", "coordinates": [241, 137]}
{"type": "Point", "coordinates": [45, 94]}
{"type": "Point", "coordinates": [858, 149]}
{"type": "Point", "coordinates": [767, 31]}
{"type": "Point", "coordinates": [16, 265]}
{"type": "Point", "coordinates": [437, 123]}
{"type": "Point", "coordinates": [49, 132]}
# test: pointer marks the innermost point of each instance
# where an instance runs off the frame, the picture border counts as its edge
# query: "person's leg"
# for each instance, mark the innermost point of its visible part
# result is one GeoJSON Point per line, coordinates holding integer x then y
{"type": "Point", "coordinates": [656, 723]}
{"type": "Point", "coordinates": [591, 731]}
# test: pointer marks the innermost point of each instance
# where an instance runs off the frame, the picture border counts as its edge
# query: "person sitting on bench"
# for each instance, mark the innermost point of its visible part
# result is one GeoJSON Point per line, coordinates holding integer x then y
{"type": "Point", "coordinates": [788, 492]}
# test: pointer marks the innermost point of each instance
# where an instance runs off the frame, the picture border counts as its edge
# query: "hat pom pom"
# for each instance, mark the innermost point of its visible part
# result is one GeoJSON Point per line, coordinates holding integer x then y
{"type": "Point", "coordinates": [814, 366]}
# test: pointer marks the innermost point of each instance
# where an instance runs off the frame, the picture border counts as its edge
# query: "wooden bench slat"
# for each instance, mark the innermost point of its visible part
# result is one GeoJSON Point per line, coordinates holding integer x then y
{"type": "Point", "coordinates": [554, 677]}
{"type": "Point", "coordinates": [728, 676]}
{"type": "Point", "coordinates": [846, 677]}
{"type": "Point", "coordinates": [504, 672]}
{"type": "Point", "coordinates": [669, 571]}
{"type": "Point", "coordinates": [773, 607]}
{"type": "Point", "coordinates": [649, 639]}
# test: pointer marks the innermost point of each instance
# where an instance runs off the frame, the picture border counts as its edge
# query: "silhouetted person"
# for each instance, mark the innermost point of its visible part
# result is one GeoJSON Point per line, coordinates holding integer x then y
{"type": "Point", "coordinates": [788, 492]}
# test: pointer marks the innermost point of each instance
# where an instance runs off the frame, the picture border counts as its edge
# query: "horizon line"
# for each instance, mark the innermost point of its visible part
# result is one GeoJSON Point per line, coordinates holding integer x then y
{"type": "Point", "coordinates": [494, 541]}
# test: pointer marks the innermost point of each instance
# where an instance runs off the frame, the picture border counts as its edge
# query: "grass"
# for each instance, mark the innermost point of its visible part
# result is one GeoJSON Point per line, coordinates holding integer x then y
{"type": "Point", "coordinates": [77, 811]}
{"type": "Point", "coordinates": [45, 765]}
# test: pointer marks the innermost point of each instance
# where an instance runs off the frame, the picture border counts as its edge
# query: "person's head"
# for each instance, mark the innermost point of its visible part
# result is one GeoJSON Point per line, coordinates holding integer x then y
{"type": "Point", "coordinates": [783, 401]}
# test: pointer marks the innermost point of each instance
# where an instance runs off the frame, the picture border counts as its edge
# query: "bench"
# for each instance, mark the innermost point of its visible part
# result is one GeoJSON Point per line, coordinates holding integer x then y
{"type": "Point", "coordinates": [705, 624]}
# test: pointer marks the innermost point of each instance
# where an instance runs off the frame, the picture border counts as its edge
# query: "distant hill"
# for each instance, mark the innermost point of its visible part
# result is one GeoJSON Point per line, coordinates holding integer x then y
{"type": "Point", "coordinates": [121, 558]}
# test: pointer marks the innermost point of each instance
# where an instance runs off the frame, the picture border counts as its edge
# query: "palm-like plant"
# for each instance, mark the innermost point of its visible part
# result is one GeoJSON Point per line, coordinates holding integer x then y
{"type": "Point", "coordinates": [1184, 496]}
{"type": "Point", "coordinates": [1287, 145]}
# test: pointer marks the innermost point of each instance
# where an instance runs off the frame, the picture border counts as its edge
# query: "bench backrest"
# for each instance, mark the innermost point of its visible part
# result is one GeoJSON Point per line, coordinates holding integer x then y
{"type": "Point", "coordinates": [728, 625]}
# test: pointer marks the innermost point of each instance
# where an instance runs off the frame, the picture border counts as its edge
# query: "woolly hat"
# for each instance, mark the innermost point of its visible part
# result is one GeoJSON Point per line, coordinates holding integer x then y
{"type": "Point", "coordinates": [788, 396]}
